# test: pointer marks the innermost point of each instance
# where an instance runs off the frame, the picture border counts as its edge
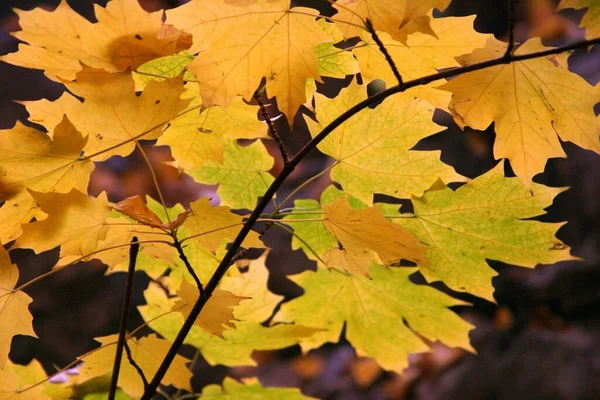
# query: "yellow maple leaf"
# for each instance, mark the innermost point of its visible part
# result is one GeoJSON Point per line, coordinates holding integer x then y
{"type": "Point", "coordinates": [217, 313]}
{"type": "Point", "coordinates": [124, 37]}
{"type": "Point", "coordinates": [243, 43]}
{"type": "Point", "coordinates": [29, 159]}
{"type": "Point", "coordinates": [21, 382]}
{"type": "Point", "coordinates": [591, 18]}
{"type": "Point", "coordinates": [373, 311]}
{"type": "Point", "coordinates": [75, 222]}
{"type": "Point", "coordinates": [112, 114]}
{"type": "Point", "coordinates": [399, 18]}
{"type": "Point", "coordinates": [214, 225]}
{"type": "Point", "coordinates": [532, 104]}
{"type": "Point", "coordinates": [49, 113]}
{"type": "Point", "coordinates": [421, 55]}
{"type": "Point", "coordinates": [197, 137]}
{"type": "Point", "coordinates": [147, 352]}
{"type": "Point", "coordinates": [15, 317]}
{"type": "Point", "coordinates": [361, 231]}
{"type": "Point", "coordinates": [373, 148]}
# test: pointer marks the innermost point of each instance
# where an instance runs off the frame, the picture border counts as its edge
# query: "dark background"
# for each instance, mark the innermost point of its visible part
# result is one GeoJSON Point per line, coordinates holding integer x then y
{"type": "Point", "coordinates": [541, 341]}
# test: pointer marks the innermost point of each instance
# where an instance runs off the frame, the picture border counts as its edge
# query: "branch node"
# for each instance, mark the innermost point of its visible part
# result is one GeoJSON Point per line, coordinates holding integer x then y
{"type": "Point", "coordinates": [511, 31]}
{"type": "Point", "coordinates": [272, 130]}
{"type": "Point", "coordinates": [383, 50]}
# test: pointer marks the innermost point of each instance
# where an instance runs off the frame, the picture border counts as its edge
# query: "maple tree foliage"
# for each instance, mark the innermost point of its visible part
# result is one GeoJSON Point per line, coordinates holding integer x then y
{"type": "Point", "coordinates": [195, 79]}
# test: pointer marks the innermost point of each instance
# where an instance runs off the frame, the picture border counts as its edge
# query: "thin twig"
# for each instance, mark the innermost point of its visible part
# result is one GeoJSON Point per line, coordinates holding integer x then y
{"type": "Point", "coordinates": [272, 130]}
{"type": "Point", "coordinates": [185, 260]}
{"type": "Point", "coordinates": [511, 29]}
{"type": "Point", "coordinates": [289, 168]}
{"type": "Point", "coordinates": [384, 51]}
{"type": "Point", "coordinates": [134, 364]}
{"type": "Point", "coordinates": [133, 252]}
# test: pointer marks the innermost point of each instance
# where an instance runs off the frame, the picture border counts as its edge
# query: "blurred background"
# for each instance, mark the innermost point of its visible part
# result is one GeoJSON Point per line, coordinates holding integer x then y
{"type": "Point", "coordinates": [540, 341]}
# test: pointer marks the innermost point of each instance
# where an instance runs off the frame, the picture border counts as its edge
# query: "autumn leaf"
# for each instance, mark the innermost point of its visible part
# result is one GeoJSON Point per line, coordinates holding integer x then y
{"type": "Point", "coordinates": [29, 159]}
{"type": "Point", "coordinates": [250, 389]}
{"type": "Point", "coordinates": [373, 312]}
{"type": "Point", "coordinates": [147, 352]}
{"type": "Point", "coordinates": [124, 37]}
{"type": "Point", "coordinates": [360, 231]}
{"type": "Point", "coordinates": [198, 137]}
{"type": "Point", "coordinates": [532, 104]}
{"type": "Point", "coordinates": [114, 116]}
{"type": "Point", "coordinates": [423, 54]}
{"type": "Point", "coordinates": [15, 317]}
{"type": "Point", "coordinates": [235, 347]}
{"type": "Point", "coordinates": [591, 18]}
{"type": "Point", "coordinates": [373, 149]}
{"type": "Point", "coordinates": [398, 18]}
{"type": "Point", "coordinates": [163, 68]}
{"type": "Point", "coordinates": [242, 177]}
{"type": "Point", "coordinates": [75, 222]}
{"type": "Point", "coordinates": [484, 219]}
{"type": "Point", "coordinates": [217, 313]}
{"type": "Point", "coordinates": [134, 207]}
{"type": "Point", "coordinates": [260, 303]}
{"type": "Point", "coordinates": [21, 382]}
{"type": "Point", "coordinates": [212, 226]}
{"type": "Point", "coordinates": [50, 113]}
{"type": "Point", "coordinates": [242, 43]}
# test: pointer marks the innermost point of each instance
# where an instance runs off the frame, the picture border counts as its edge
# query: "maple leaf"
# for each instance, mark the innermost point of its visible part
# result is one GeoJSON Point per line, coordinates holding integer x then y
{"type": "Point", "coordinates": [591, 18]}
{"type": "Point", "coordinates": [398, 18]}
{"type": "Point", "coordinates": [50, 113]}
{"type": "Point", "coordinates": [235, 347]}
{"type": "Point", "coordinates": [124, 37]}
{"type": "Point", "coordinates": [372, 150]}
{"type": "Point", "coordinates": [484, 219]}
{"type": "Point", "coordinates": [242, 177]}
{"type": "Point", "coordinates": [198, 137]}
{"type": "Point", "coordinates": [134, 207]}
{"type": "Point", "coordinates": [15, 317]}
{"type": "Point", "coordinates": [242, 43]}
{"type": "Point", "coordinates": [162, 68]}
{"type": "Point", "coordinates": [373, 312]}
{"type": "Point", "coordinates": [147, 352]}
{"type": "Point", "coordinates": [75, 222]}
{"type": "Point", "coordinates": [360, 231]}
{"type": "Point", "coordinates": [530, 102]}
{"type": "Point", "coordinates": [114, 116]}
{"type": "Point", "coordinates": [217, 312]}
{"type": "Point", "coordinates": [422, 55]}
{"type": "Point", "coordinates": [29, 159]}
{"type": "Point", "coordinates": [213, 225]}
{"type": "Point", "coordinates": [250, 389]}
{"type": "Point", "coordinates": [21, 382]}
{"type": "Point", "coordinates": [252, 284]}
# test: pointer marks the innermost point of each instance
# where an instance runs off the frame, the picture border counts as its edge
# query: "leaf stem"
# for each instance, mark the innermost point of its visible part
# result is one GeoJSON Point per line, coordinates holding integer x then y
{"type": "Point", "coordinates": [133, 253]}
{"type": "Point", "coordinates": [155, 181]}
{"type": "Point", "coordinates": [289, 168]}
{"type": "Point", "coordinates": [291, 231]}
{"type": "Point", "coordinates": [306, 182]}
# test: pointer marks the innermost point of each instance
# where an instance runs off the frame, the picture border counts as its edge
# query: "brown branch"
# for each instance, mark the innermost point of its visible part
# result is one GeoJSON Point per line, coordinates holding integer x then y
{"type": "Point", "coordinates": [187, 264]}
{"type": "Point", "coordinates": [272, 130]}
{"type": "Point", "coordinates": [133, 252]}
{"type": "Point", "coordinates": [289, 168]}
{"type": "Point", "coordinates": [135, 364]}
{"type": "Point", "coordinates": [511, 29]}
{"type": "Point", "coordinates": [384, 51]}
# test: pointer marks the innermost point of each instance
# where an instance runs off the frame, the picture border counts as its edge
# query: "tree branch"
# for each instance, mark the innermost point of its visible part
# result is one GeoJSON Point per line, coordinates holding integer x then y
{"type": "Point", "coordinates": [272, 130]}
{"type": "Point", "coordinates": [133, 252]}
{"type": "Point", "coordinates": [511, 29]}
{"type": "Point", "coordinates": [135, 364]}
{"type": "Point", "coordinates": [384, 51]}
{"type": "Point", "coordinates": [187, 264]}
{"type": "Point", "coordinates": [294, 161]}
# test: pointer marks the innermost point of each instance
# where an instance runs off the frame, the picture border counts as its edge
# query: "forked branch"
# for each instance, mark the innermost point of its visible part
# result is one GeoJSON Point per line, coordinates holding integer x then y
{"type": "Point", "coordinates": [294, 161]}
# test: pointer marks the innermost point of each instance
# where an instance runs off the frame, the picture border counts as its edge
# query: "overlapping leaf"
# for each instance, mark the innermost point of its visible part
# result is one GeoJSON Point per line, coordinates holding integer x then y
{"type": "Point", "coordinates": [242, 176]}
{"type": "Point", "coordinates": [398, 18]}
{"type": "Point", "coordinates": [29, 159]}
{"type": "Point", "coordinates": [243, 42]}
{"type": "Point", "coordinates": [484, 219]}
{"type": "Point", "coordinates": [423, 54]}
{"type": "Point", "coordinates": [373, 148]}
{"type": "Point", "coordinates": [591, 18]}
{"type": "Point", "coordinates": [373, 312]}
{"type": "Point", "coordinates": [125, 36]}
{"type": "Point", "coordinates": [249, 390]}
{"type": "Point", "coordinates": [15, 317]}
{"type": "Point", "coordinates": [21, 382]}
{"type": "Point", "coordinates": [532, 104]}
